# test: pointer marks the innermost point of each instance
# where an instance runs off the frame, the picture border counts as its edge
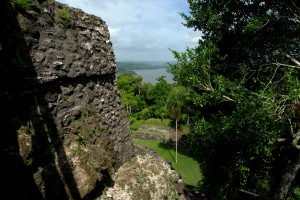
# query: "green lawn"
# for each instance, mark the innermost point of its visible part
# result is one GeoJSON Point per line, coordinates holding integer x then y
{"type": "Point", "coordinates": [187, 167]}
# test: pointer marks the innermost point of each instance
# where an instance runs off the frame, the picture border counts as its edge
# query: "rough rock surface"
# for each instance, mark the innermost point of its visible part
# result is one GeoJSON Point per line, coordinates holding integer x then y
{"type": "Point", "coordinates": [64, 131]}
{"type": "Point", "coordinates": [146, 176]}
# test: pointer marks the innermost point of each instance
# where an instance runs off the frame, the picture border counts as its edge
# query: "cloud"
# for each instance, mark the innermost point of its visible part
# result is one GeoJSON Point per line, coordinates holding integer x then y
{"type": "Point", "coordinates": [113, 31]}
{"type": "Point", "coordinates": [192, 38]}
{"type": "Point", "coordinates": [142, 30]}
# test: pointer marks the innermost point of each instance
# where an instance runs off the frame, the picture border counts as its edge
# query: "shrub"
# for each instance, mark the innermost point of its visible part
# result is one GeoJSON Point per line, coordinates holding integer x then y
{"type": "Point", "coordinates": [24, 4]}
{"type": "Point", "coordinates": [64, 14]}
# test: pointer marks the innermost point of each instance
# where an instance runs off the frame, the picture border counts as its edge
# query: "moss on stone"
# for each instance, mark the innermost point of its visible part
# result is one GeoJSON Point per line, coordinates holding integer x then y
{"type": "Point", "coordinates": [23, 4]}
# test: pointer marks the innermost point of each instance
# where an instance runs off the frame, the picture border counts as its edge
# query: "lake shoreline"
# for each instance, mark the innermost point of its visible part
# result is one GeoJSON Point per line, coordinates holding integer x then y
{"type": "Point", "coordinates": [149, 70]}
{"type": "Point", "coordinates": [151, 75]}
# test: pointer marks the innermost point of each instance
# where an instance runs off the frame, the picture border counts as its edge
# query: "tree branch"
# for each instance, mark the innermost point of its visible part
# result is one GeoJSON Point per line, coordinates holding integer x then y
{"type": "Point", "coordinates": [271, 80]}
{"type": "Point", "coordinates": [295, 142]}
{"type": "Point", "coordinates": [227, 98]}
{"type": "Point", "coordinates": [254, 195]}
{"type": "Point", "coordinates": [293, 60]}
{"type": "Point", "coordinates": [286, 65]}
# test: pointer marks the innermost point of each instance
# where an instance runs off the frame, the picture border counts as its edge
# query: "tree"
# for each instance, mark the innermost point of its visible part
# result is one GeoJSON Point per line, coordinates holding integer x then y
{"type": "Point", "coordinates": [245, 92]}
{"type": "Point", "coordinates": [175, 103]}
{"type": "Point", "coordinates": [143, 100]}
{"type": "Point", "coordinates": [157, 97]}
{"type": "Point", "coordinates": [130, 87]}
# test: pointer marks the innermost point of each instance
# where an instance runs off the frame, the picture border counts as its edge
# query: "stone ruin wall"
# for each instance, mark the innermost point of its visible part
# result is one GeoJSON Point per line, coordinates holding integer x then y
{"type": "Point", "coordinates": [64, 128]}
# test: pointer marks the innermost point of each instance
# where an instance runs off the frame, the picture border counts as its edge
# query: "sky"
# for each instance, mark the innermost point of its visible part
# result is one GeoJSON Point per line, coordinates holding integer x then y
{"type": "Point", "coordinates": [142, 30]}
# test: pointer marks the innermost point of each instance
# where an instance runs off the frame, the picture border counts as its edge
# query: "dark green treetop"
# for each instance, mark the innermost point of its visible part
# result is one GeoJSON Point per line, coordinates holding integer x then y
{"type": "Point", "coordinates": [244, 76]}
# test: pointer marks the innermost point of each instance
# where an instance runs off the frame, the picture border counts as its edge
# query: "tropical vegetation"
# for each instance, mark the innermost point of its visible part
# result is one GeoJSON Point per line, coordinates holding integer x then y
{"type": "Point", "coordinates": [143, 100]}
{"type": "Point", "coordinates": [241, 99]}
{"type": "Point", "coordinates": [244, 82]}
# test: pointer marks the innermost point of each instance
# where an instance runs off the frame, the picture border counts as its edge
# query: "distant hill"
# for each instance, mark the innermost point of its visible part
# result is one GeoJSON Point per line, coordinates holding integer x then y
{"type": "Point", "coordinates": [124, 66]}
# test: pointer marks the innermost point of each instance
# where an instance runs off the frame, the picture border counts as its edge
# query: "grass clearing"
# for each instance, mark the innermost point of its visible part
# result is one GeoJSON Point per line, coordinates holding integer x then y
{"type": "Point", "coordinates": [187, 167]}
{"type": "Point", "coordinates": [135, 124]}
{"type": "Point", "coordinates": [157, 127]}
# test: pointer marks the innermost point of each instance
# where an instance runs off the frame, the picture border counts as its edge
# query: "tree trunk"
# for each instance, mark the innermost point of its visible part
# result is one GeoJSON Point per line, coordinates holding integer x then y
{"type": "Point", "coordinates": [176, 138]}
{"type": "Point", "coordinates": [288, 177]}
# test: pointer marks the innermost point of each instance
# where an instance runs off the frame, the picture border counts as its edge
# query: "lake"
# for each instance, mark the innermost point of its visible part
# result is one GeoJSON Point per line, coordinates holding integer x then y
{"type": "Point", "coordinates": [150, 75]}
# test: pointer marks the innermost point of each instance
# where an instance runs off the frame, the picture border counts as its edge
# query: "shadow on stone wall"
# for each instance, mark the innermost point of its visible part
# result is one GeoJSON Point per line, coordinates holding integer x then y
{"type": "Point", "coordinates": [20, 99]}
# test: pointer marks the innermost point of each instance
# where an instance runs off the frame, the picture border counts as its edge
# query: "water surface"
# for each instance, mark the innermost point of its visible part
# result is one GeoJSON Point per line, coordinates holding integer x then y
{"type": "Point", "coordinates": [150, 75]}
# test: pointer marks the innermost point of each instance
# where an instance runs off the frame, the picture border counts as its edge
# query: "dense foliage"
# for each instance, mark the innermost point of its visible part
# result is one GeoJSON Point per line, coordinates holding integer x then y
{"type": "Point", "coordinates": [244, 99]}
{"type": "Point", "coordinates": [144, 100]}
